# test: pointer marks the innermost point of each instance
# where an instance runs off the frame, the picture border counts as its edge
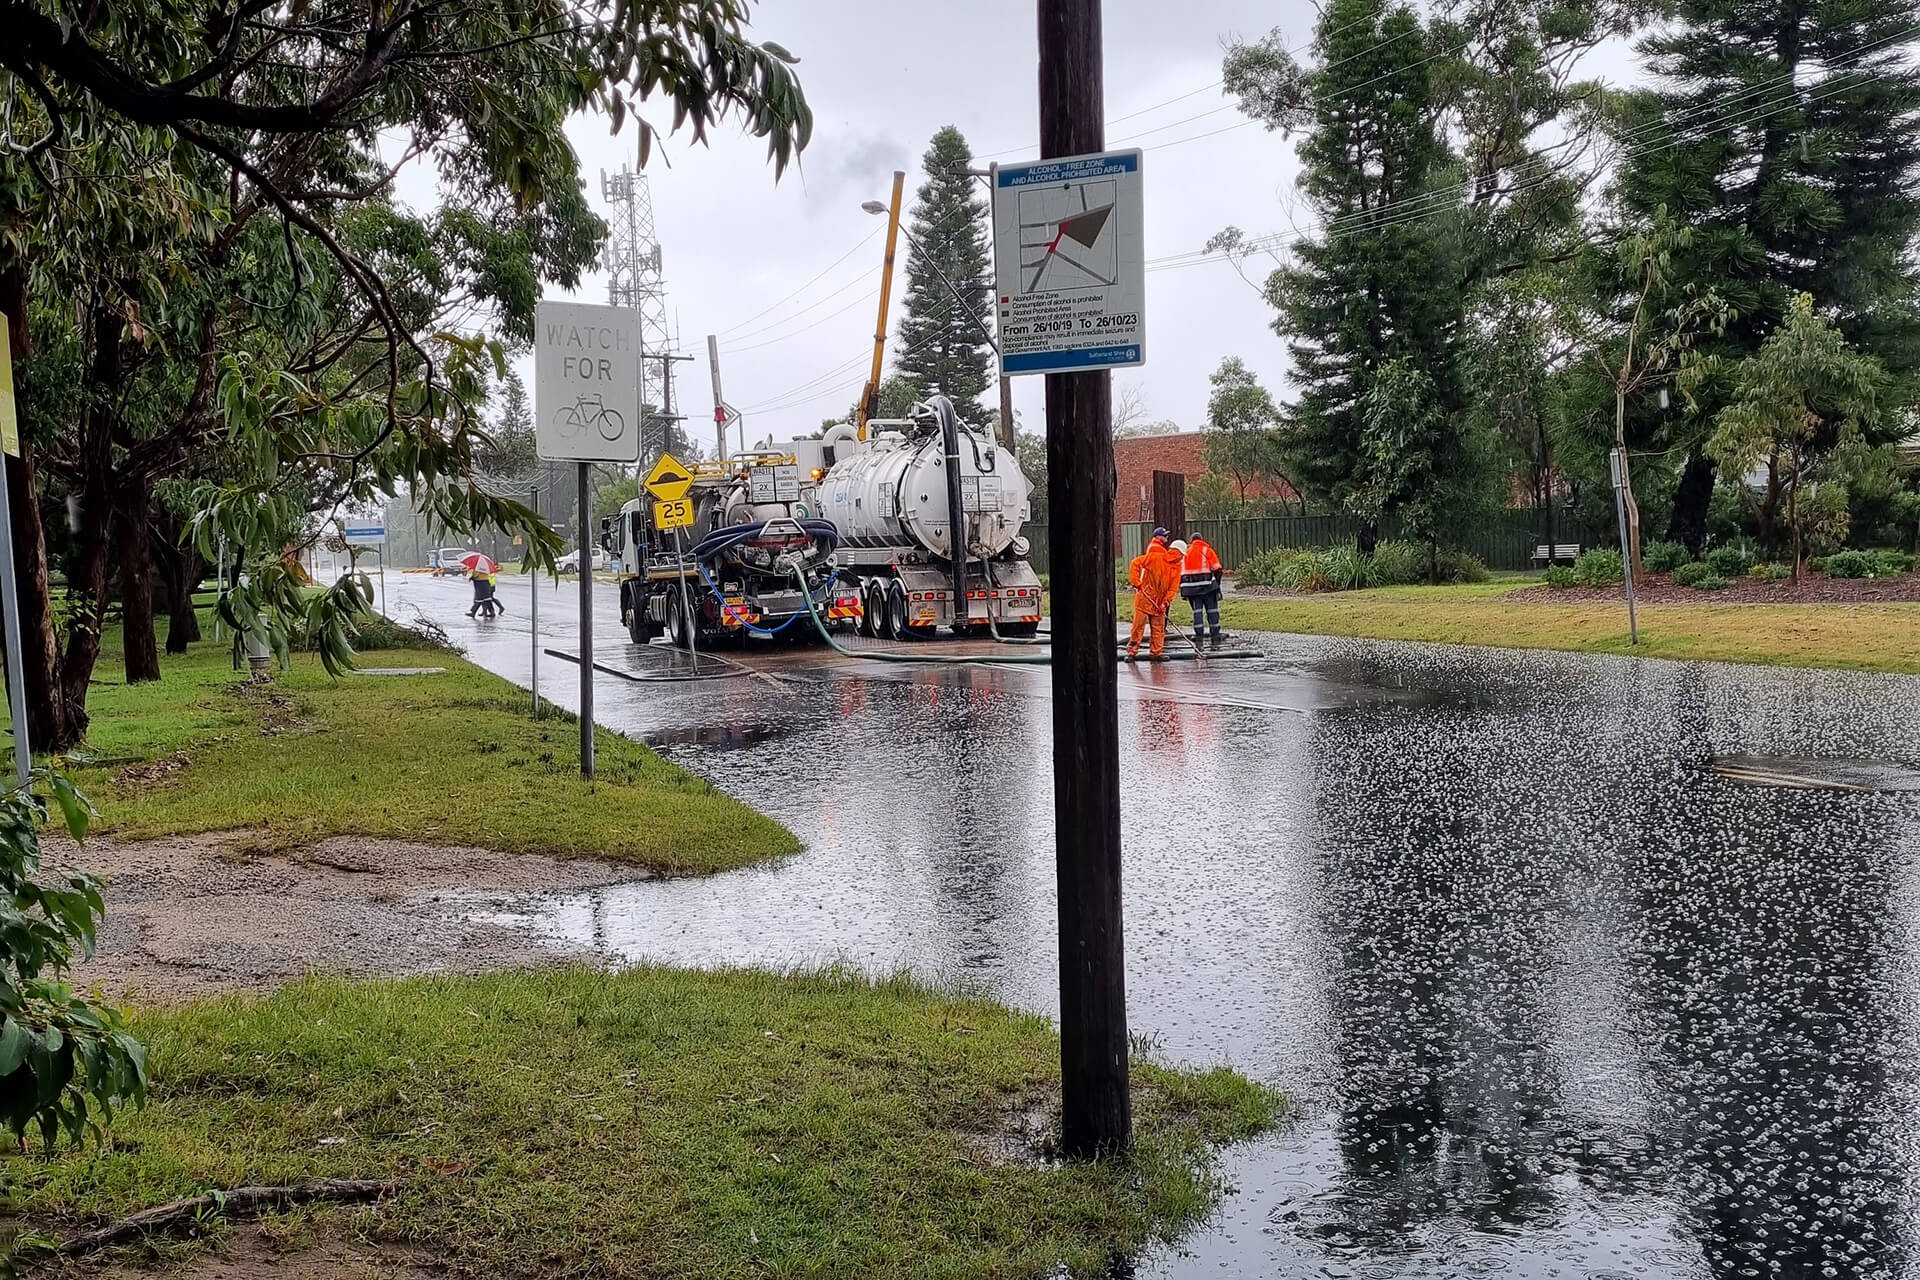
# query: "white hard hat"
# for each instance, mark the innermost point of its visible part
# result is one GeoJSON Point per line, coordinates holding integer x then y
{"type": "Point", "coordinates": [1180, 545]}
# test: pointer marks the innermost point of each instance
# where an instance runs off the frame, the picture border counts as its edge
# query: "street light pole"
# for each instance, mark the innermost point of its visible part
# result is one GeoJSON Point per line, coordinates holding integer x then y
{"type": "Point", "coordinates": [1097, 1114]}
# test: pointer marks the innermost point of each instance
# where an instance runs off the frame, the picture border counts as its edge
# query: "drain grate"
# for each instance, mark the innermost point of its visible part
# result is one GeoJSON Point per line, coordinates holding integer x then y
{"type": "Point", "coordinates": [1799, 774]}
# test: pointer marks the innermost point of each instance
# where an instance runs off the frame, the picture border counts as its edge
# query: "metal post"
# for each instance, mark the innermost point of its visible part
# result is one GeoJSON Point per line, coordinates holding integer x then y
{"type": "Point", "coordinates": [686, 600]}
{"type": "Point", "coordinates": [383, 580]}
{"type": "Point", "coordinates": [719, 401]}
{"type": "Point", "coordinates": [533, 614]}
{"type": "Point", "coordinates": [586, 624]}
{"type": "Point", "coordinates": [16, 658]}
{"type": "Point", "coordinates": [220, 594]}
{"type": "Point", "coordinates": [1097, 1110]}
{"type": "Point", "coordinates": [1619, 460]}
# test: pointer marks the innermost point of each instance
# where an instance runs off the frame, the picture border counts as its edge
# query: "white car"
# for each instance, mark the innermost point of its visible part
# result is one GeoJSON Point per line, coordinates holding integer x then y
{"type": "Point", "coordinates": [570, 562]}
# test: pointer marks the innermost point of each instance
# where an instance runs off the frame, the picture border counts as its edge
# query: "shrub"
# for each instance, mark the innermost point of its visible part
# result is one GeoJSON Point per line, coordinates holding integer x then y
{"type": "Point", "coordinates": [1263, 569]}
{"type": "Point", "coordinates": [1665, 557]}
{"type": "Point", "coordinates": [1561, 576]}
{"type": "Point", "coordinates": [1689, 575]}
{"type": "Point", "coordinates": [1730, 561]}
{"type": "Point", "coordinates": [1346, 568]}
{"type": "Point", "coordinates": [65, 1061]}
{"type": "Point", "coordinates": [1599, 567]}
{"type": "Point", "coordinates": [1852, 564]}
{"type": "Point", "coordinates": [1307, 571]}
{"type": "Point", "coordinates": [1891, 564]}
{"type": "Point", "coordinates": [1818, 564]}
{"type": "Point", "coordinates": [1399, 564]}
{"type": "Point", "coordinates": [1771, 571]}
{"type": "Point", "coordinates": [1462, 566]}
{"type": "Point", "coordinates": [1710, 582]}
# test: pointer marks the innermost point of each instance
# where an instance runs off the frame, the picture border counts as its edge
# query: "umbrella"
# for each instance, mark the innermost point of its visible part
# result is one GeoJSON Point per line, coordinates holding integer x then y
{"type": "Point", "coordinates": [474, 562]}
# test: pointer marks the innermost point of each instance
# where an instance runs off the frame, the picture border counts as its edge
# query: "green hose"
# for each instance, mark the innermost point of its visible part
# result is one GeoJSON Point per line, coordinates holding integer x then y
{"type": "Point", "coordinates": [935, 659]}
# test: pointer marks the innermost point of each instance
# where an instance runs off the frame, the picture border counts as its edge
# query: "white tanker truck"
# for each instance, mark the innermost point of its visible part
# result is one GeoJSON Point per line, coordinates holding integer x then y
{"type": "Point", "coordinates": [895, 499]}
{"type": "Point", "coordinates": [736, 571]}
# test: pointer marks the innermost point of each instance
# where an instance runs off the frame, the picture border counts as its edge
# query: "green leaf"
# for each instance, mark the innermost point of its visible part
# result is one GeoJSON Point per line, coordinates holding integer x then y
{"type": "Point", "coordinates": [14, 1043]}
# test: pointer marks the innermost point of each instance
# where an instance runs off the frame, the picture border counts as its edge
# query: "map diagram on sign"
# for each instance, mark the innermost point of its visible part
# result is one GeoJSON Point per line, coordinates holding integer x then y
{"type": "Point", "coordinates": [1068, 237]}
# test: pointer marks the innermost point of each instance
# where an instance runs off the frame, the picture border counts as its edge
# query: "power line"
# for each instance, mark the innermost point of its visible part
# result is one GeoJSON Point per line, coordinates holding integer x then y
{"type": "Point", "coordinates": [858, 245]}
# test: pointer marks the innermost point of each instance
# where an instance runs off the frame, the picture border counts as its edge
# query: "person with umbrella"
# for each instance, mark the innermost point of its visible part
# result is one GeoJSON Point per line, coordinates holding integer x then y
{"type": "Point", "coordinates": [482, 571]}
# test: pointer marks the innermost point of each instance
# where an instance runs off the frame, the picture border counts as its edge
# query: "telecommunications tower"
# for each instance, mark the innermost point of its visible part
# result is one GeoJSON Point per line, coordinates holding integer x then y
{"type": "Point", "coordinates": [632, 262]}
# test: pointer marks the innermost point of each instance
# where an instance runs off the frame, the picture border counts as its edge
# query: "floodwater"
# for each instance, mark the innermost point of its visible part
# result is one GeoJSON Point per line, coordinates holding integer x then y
{"type": "Point", "coordinates": [1558, 996]}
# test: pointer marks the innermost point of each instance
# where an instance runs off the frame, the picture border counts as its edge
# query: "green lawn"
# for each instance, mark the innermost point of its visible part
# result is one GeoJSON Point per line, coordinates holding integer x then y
{"type": "Point", "coordinates": [651, 1123]}
{"type": "Point", "coordinates": [1880, 637]}
{"type": "Point", "coordinates": [447, 758]}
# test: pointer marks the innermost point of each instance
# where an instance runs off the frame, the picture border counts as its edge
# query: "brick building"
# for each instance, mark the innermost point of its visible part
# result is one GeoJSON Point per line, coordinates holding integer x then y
{"type": "Point", "coordinates": [1136, 458]}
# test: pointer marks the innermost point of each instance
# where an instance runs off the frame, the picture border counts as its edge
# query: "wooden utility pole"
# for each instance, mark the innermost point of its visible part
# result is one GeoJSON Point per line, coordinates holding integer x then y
{"type": "Point", "coordinates": [1097, 1114]}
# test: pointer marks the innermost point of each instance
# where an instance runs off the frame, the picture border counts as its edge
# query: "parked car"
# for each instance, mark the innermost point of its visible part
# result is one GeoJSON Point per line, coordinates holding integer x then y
{"type": "Point", "coordinates": [446, 559]}
{"type": "Point", "coordinates": [570, 562]}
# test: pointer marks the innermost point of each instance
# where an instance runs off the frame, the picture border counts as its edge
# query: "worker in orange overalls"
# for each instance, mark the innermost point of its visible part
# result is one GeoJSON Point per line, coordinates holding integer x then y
{"type": "Point", "coordinates": [1200, 574]}
{"type": "Point", "coordinates": [1155, 575]}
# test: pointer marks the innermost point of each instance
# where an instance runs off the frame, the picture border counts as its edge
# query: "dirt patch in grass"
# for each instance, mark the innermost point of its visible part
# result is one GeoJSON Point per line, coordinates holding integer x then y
{"type": "Point", "coordinates": [196, 914]}
{"type": "Point", "coordinates": [1813, 588]}
{"type": "Point", "coordinates": [259, 1253]}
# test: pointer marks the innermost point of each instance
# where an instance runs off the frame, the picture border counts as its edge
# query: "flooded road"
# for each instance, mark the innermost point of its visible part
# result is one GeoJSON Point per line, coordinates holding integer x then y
{"type": "Point", "coordinates": [1560, 996]}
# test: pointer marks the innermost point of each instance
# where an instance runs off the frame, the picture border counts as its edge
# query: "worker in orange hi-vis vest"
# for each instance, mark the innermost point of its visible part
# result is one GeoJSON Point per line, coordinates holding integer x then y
{"type": "Point", "coordinates": [1200, 574]}
{"type": "Point", "coordinates": [1155, 575]}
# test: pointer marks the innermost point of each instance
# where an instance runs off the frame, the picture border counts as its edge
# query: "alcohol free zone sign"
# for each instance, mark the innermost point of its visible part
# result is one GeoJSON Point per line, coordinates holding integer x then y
{"type": "Point", "coordinates": [1070, 263]}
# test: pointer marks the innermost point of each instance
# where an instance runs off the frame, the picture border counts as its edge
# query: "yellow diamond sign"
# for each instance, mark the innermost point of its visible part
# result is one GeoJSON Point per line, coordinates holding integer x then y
{"type": "Point", "coordinates": [669, 479]}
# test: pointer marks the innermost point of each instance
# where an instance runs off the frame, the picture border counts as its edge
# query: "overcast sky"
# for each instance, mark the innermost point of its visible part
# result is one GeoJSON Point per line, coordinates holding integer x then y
{"type": "Point", "coordinates": [882, 77]}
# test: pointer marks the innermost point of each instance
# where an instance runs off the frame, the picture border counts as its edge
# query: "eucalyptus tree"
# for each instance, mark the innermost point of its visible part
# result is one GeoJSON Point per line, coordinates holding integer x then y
{"type": "Point", "coordinates": [201, 258]}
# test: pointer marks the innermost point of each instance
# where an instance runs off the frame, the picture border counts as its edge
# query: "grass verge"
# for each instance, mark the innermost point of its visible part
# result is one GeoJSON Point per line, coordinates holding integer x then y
{"type": "Point", "coordinates": [651, 1123]}
{"type": "Point", "coordinates": [445, 758]}
{"type": "Point", "coordinates": [1880, 637]}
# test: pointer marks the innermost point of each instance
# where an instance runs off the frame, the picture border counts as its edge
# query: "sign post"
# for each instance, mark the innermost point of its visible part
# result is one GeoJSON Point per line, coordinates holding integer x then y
{"type": "Point", "coordinates": [370, 533]}
{"type": "Point", "coordinates": [533, 615]}
{"type": "Point", "coordinates": [1618, 460]}
{"type": "Point", "coordinates": [586, 393]}
{"type": "Point", "coordinates": [9, 587]}
{"type": "Point", "coordinates": [1071, 270]}
{"type": "Point", "coordinates": [668, 482]}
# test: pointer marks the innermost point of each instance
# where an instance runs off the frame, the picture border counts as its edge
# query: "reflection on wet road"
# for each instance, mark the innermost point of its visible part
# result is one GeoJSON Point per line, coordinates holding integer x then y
{"type": "Point", "coordinates": [1559, 999]}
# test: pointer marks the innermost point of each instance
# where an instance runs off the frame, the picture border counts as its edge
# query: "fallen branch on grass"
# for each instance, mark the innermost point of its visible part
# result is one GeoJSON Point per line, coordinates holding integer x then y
{"type": "Point", "coordinates": [241, 1202]}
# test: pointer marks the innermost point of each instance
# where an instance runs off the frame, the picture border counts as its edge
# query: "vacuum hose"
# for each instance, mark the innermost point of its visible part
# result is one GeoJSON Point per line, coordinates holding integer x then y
{"type": "Point", "coordinates": [956, 508]}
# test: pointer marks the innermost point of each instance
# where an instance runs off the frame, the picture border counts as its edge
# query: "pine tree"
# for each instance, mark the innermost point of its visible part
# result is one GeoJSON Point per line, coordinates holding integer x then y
{"type": "Point", "coordinates": [943, 347]}
{"type": "Point", "coordinates": [513, 452]}
{"type": "Point", "coordinates": [1376, 287]}
{"type": "Point", "coordinates": [1787, 134]}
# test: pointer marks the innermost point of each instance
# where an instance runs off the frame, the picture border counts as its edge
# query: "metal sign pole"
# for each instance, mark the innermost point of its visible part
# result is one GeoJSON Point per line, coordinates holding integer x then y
{"type": "Point", "coordinates": [533, 615]}
{"type": "Point", "coordinates": [1618, 458]}
{"type": "Point", "coordinates": [586, 623]}
{"type": "Point", "coordinates": [686, 602]}
{"type": "Point", "coordinates": [16, 660]}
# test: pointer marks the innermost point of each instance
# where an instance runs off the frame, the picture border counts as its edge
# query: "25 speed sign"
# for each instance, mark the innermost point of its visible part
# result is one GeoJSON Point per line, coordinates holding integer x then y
{"type": "Point", "coordinates": [676, 514]}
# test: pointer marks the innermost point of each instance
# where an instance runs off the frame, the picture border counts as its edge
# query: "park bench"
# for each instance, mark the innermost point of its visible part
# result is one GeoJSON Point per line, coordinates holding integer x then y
{"type": "Point", "coordinates": [1558, 551]}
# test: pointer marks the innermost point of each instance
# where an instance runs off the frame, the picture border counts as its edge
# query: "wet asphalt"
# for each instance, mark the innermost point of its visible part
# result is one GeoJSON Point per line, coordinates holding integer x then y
{"type": "Point", "coordinates": [1563, 989]}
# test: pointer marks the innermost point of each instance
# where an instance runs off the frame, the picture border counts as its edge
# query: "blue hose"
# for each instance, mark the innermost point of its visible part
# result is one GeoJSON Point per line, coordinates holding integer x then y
{"type": "Point", "coordinates": [812, 604]}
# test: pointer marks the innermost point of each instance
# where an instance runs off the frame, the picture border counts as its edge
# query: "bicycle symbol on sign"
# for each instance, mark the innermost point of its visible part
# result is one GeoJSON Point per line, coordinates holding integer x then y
{"type": "Point", "coordinates": [589, 413]}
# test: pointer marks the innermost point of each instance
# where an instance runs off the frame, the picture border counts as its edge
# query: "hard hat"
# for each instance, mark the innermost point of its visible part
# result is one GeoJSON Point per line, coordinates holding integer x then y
{"type": "Point", "coordinates": [1180, 546]}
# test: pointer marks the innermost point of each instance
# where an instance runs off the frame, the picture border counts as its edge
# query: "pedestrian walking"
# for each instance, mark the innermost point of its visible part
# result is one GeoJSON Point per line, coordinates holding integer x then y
{"type": "Point", "coordinates": [1200, 574]}
{"type": "Point", "coordinates": [1155, 576]}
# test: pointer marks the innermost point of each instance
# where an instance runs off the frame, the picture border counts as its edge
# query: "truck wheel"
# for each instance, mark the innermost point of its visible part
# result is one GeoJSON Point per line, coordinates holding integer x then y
{"type": "Point", "coordinates": [678, 630]}
{"type": "Point", "coordinates": [872, 609]}
{"type": "Point", "coordinates": [897, 628]}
